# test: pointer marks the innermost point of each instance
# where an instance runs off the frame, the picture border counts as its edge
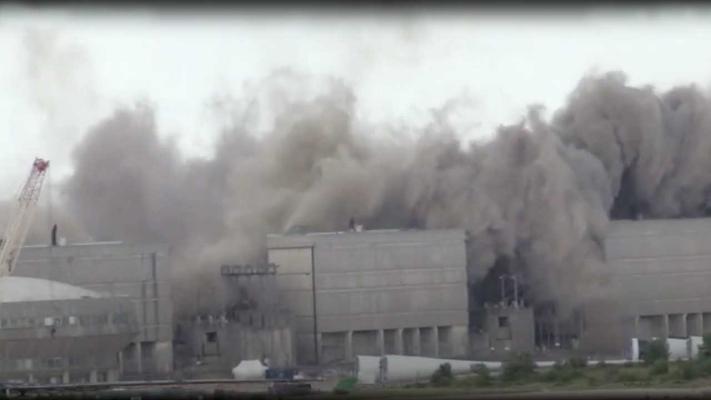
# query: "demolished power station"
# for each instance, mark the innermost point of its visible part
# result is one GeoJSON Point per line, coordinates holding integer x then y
{"type": "Point", "coordinates": [586, 234]}
{"type": "Point", "coordinates": [326, 298]}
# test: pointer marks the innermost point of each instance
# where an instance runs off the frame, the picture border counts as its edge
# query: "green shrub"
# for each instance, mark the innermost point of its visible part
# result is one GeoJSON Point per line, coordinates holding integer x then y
{"type": "Point", "coordinates": [518, 366]}
{"type": "Point", "coordinates": [345, 385]}
{"type": "Point", "coordinates": [601, 364]}
{"type": "Point", "coordinates": [552, 374]}
{"type": "Point", "coordinates": [442, 376]}
{"type": "Point", "coordinates": [702, 367]}
{"type": "Point", "coordinates": [705, 348]}
{"type": "Point", "coordinates": [562, 373]}
{"type": "Point", "coordinates": [578, 362]}
{"type": "Point", "coordinates": [627, 376]}
{"type": "Point", "coordinates": [687, 370]}
{"type": "Point", "coordinates": [660, 367]}
{"type": "Point", "coordinates": [657, 350]}
{"type": "Point", "coordinates": [611, 373]}
{"type": "Point", "coordinates": [628, 364]}
{"type": "Point", "coordinates": [483, 375]}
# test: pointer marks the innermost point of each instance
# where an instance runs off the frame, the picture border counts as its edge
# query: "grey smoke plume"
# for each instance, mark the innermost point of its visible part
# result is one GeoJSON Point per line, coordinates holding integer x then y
{"type": "Point", "coordinates": [539, 193]}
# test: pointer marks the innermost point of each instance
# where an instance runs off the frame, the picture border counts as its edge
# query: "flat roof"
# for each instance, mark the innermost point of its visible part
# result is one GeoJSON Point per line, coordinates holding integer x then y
{"type": "Point", "coordinates": [374, 235]}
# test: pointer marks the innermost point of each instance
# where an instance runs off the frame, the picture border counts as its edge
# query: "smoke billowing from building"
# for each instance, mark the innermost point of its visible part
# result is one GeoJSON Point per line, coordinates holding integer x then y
{"type": "Point", "coordinates": [538, 194]}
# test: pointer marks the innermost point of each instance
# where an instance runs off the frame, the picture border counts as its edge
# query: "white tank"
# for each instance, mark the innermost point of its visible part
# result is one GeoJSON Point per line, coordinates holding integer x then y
{"type": "Point", "coordinates": [249, 370]}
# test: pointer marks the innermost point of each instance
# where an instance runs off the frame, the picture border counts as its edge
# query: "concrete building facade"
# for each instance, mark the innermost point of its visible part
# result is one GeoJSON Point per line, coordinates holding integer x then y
{"type": "Point", "coordinates": [660, 273]}
{"type": "Point", "coordinates": [374, 292]}
{"type": "Point", "coordinates": [51, 332]}
{"type": "Point", "coordinates": [139, 272]}
{"type": "Point", "coordinates": [253, 325]}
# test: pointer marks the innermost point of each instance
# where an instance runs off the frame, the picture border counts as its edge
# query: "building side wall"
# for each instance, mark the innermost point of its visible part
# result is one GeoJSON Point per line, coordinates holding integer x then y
{"type": "Point", "coordinates": [372, 285]}
{"type": "Point", "coordinates": [64, 340]}
{"type": "Point", "coordinates": [139, 272]}
{"type": "Point", "coordinates": [659, 273]}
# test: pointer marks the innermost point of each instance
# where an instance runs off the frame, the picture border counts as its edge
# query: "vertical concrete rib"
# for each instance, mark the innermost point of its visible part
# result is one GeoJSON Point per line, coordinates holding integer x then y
{"type": "Point", "coordinates": [665, 326]}
{"type": "Point", "coordinates": [416, 344]}
{"type": "Point", "coordinates": [349, 345]}
{"type": "Point", "coordinates": [139, 361]}
{"type": "Point", "coordinates": [398, 341]}
{"type": "Point", "coordinates": [380, 342]}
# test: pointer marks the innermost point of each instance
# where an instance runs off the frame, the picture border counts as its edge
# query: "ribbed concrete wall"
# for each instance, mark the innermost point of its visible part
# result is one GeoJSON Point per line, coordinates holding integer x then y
{"type": "Point", "coordinates": [660, 275]}
{"type": "Point", "coordinates": [662, 266]}
{"type": "Point", "coordinates": [374, 281]}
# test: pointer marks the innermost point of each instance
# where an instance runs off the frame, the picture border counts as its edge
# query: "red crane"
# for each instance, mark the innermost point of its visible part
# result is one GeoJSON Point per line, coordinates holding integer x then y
{"type": "Point", "coordinates": [21, 218]}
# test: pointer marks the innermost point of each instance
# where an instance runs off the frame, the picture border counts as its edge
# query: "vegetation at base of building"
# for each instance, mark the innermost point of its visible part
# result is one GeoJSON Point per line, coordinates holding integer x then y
{"type": "Point", "coordinates": [345, 385]}
{"type": "Point", "coordinates": [520, 371]}
{"type": "Point", "coordinates": [483, 376]}
{"type": "Point", "coordinates": [442, 376]}
{"type": "Point", "coordinates": [659, 367]}
{"type": "Point", "coordinates": [657, 350]}
{"type": "Point", "coordinates": [518, 366]}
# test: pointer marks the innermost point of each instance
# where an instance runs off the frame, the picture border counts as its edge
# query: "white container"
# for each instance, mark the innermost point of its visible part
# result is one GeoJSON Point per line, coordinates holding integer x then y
{"type": "Point", "coordinates": [368, 369]}
{"type": "Point", "coordinates": [249, 370]}
{"type": "Point", "coordinates": [678, 349]}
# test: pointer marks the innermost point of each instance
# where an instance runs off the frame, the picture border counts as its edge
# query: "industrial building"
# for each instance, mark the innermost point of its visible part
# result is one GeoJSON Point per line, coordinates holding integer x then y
{"type": "Point", "coordinates": [374, 292]}
{"type": "Point", "coordinates": [51, 332]}
{"type": "Point", "coordinates": [254, 324]}
{"type": "Point", "coordinates": [327, 297]}
{"type": "Point", "coordinates": [139, 273]}
{"type": "Point", "coordinates": [660, 272]}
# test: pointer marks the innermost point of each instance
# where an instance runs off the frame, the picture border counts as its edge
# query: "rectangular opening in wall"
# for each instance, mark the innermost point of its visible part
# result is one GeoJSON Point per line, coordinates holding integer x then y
{"type": "Point", "coordinates": [333, 347]}
{"type": "Point", "coordinates": [427, 342]}
{"type": "Point", "coordinates": [677, 326]}
{"type": "Point", "coordinates": [503, 328]}
{"type": "Point", "coordinates": [693, 324]}
{"type": "Point", "coordinates": [390, 341]}
{"type": "Point", "coordinates": [409, 347]}
{"type": "Point", "coordinates": [444, 335]}
{"type": "Point", "coordinates": [650, 326]}
{"type": "Point", "coordinates": [706, 322]}
{"type": "Point", "coordinates": [365, 343]}
{"type": "Point", "coordinates": [148, 356]}
{"type": "Point", "coordinates": [211, 337]}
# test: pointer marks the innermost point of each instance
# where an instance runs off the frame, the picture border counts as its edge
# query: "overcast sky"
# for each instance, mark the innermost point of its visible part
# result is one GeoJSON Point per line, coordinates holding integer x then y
{"type": "Point", "coordinates": [62, 70]}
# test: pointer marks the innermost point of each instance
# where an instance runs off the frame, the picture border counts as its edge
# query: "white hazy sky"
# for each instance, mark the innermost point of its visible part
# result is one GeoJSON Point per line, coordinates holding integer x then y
{"type": "Point", "coordinates": [62, 70]}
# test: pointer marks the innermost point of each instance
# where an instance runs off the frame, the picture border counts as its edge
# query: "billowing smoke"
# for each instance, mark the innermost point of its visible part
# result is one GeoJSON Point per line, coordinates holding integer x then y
{"type": "Point", "coordinates": [538, 194]}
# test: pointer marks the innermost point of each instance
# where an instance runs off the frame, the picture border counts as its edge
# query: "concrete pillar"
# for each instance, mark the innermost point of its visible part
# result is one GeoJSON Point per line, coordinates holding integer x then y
{"type": "Point", "coordinates": [684, 326]}
{"type": "Point", "coordinates": [416, 344]}
{"type": "Point", "coordinates": [636, 326]}
{"type": "Point", "coordinates": [319, 346]}
{"type": "Point", "coordinates": [31, 378]}
{"type": "Point", "coordinates": [398, 341]}
{"type": "Point", "coordinates": [435, 341]}
{"type": "Point", "coordinates": [289, 346]}
{"type": "Point", "coordinates": [380, 342]}
{"type": "Point", "coordinates": [665, 326]}
{"type": "Point", "coordinates": [65, 377]}
{"type": "Point", "coordinates": [349, 346]}
{"type": "Point", "coordinates": [93, 376]}
{"type": "Point", "coordinates": [138, 355]}
{"type": "Point", "coordinates": [120, 362]}
{"type": "Point", "coordinates": [701, 321]}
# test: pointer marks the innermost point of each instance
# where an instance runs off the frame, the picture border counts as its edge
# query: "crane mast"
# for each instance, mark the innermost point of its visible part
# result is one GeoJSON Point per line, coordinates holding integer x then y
{"type": "Point", "coordinates": [21, 219]}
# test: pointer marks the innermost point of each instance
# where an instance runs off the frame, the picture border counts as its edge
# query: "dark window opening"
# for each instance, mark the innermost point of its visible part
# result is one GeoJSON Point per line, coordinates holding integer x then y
{"type": "Point", "coordinates": [211, 337]}
{"type": "Point", "coordinates": [503, 322]}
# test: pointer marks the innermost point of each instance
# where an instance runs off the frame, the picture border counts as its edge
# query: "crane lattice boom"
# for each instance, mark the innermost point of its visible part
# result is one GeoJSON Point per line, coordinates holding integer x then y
{"type": "Point", "coordinates": [21, 218]}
